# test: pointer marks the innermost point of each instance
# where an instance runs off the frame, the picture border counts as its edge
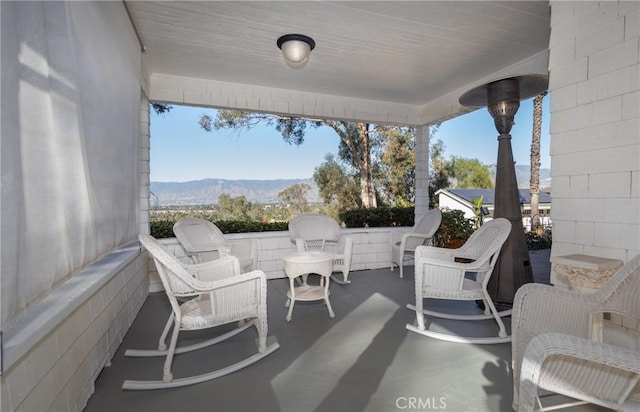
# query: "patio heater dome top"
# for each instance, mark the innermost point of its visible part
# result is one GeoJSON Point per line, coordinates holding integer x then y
{"type": "Point", "coordinates": [296, 49]}
{"type": "Point", "coordinates": [530, 85]}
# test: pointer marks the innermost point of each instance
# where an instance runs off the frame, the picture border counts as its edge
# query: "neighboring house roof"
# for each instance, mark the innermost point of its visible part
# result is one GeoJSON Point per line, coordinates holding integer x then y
{"type": "Point", "coordinates": [488, 195]}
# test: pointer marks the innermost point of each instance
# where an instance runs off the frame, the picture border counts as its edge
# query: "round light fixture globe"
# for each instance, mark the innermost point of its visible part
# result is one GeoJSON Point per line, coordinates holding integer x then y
{"type": "Point", "coordinates": [296, 49]}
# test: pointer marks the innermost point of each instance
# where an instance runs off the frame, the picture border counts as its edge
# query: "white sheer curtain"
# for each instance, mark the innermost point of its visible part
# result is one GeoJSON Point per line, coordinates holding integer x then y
{"type": "Point", "coordinates": [69, 148]}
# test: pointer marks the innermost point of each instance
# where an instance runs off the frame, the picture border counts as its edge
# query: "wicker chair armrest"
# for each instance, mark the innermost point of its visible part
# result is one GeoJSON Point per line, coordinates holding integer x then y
{"type": "Point", "coordinates": [201, 286]}
{"type": "Point", "coordinates": [407, 235]}
{"type": "Point", "coordinates": [215, 269]}
{"type": "Point", "coordinates": [462, 267]}
{"type": "Point", "coordinates": [539, 308]}
{"type": "Point", "coordinates": [435, 253]}
{"type": "Point", "coordinates": [414, 240]}
{"type": "Point", "coordinates": [547, 345]}
{"type": "Point", "coordinates": [449, 258]}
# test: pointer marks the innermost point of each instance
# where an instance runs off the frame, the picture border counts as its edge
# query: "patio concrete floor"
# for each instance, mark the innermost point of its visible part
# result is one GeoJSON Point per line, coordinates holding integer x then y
{"type": "Point", "coordinates": [362, 360]}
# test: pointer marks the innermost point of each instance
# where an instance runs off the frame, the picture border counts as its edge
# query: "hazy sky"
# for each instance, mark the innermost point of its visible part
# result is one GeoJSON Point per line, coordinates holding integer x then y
{"type": "Point", "coordinates": [182, 151]}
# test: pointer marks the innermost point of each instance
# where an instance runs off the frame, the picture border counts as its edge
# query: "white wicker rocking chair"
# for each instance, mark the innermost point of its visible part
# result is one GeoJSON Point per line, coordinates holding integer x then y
{"type": "Point", "coordinates": [203, 241]}
{"type": "Point", "coordinates": [559, 344]}
{"type": "Point", "coordinates": [420, 235]}
{"type": "Point", "coordinates": [322, 232]}
{"type": "Point", "coordinates": [440, 274]}
{"type": "Point", "coordinates": [216, 294]}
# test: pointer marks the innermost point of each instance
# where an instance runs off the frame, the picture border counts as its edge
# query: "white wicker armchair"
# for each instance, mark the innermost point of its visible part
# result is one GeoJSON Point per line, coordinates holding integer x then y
{"type": "Point", "coordinates": [420, 235]}
{"type": "Point", "coordinates": [445, 274]}
{"type": "Point", "coordinates": [559, 346]}
{"type": "Point", "coordinates": [203, 241]}
{"type": "Point", "coordinates": [214, 293]}
{"type": "Point", "coordinates": [322, 232]}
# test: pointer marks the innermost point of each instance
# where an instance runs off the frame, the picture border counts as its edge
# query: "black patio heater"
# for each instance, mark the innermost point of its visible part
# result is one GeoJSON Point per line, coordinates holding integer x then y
{"type": "Point", "coordinates": [502, 98]}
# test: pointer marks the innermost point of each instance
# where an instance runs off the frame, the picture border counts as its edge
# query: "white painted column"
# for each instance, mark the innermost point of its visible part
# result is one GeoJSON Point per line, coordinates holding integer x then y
{"type": "Point", "coordinates": [422, 170]}
{"type": "Point", "coordinates": [144, 169]}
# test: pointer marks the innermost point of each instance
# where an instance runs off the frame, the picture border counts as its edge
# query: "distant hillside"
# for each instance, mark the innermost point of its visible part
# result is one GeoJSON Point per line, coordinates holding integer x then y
{"type": "Point", "coordinates": [523, 176]}
{"type": "Point", "coordinates": [207, 191]}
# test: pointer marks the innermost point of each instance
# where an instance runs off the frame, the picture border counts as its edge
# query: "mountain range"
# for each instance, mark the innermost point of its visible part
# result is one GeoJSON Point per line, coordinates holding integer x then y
{"type": "Point", "coordinates": [523, 176]}
{"type": "Point", "coordinates": [207, 191]}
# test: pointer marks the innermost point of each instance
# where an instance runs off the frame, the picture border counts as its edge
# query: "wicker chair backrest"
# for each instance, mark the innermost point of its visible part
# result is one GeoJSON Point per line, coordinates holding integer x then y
{"type": "Point", "coordinates": [429, 223]}
{"type": "Point", "coordinates": [198, 235]}
{"type": "Point", "coordinates": [314, 227]}
{"type": "Point", "coordinates": [175, 278]}
{"type": "Point", "coordinates": [487, 240]}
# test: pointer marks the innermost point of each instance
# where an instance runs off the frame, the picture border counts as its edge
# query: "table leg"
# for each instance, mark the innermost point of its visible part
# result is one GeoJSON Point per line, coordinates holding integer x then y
{"type": "Point", "coordinates": [292, 301]}
{"type": "Point", "coordinates": [326, 297]}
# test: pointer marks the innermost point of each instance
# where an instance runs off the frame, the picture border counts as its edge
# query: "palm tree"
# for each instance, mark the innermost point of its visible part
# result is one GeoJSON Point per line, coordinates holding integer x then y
{"type": "Point", "coordinates": [535, 159]}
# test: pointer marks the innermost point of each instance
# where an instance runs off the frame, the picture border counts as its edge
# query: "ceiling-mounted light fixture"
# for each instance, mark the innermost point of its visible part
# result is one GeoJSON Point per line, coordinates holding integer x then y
{"type": "Point", "coordinates": [296, 49]}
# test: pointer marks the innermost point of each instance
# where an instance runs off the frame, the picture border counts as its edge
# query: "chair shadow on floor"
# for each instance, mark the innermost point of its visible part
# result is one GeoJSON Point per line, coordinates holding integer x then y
{"type": "Point", "coordinates": [500, 376]}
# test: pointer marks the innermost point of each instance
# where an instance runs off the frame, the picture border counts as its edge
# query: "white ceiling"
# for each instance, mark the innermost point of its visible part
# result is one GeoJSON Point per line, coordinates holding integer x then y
{"type": "Point", "coordinates": [390, 51]}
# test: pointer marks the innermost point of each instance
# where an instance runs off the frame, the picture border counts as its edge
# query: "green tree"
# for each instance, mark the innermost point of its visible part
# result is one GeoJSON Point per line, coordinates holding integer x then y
{"type": "Point", "coordinates": [440, 170]}
{"type": "Point", "coordinates": [161, 108]}
{"type": "Point", "coordinates": [295, 198]}
{"type": "Point", "coordinates": [356, 139]}
{"type": "Point", "coordinates": [470, 173]}
{"type": "Point", "coordinates": [398, 165]}
{"type": "Point", "coordinates": [337, 188]}
{"type": "Point", "coordinates": [235, 208]}
{"type": "Point", "coordinates": [477, 211]}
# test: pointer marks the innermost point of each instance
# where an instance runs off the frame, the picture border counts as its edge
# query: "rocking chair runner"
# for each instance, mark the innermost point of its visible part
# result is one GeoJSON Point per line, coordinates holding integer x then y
{"type": "Point", "coordinates": [216, 295]}
{"type": "Point", "coordinates": [440, 274]}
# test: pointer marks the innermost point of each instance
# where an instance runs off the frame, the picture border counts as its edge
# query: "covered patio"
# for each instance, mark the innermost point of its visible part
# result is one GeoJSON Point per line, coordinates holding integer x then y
{"type": "Point", "coordinates": [77, 79]}
{"type": "Point", "coordinates": [363, 359]}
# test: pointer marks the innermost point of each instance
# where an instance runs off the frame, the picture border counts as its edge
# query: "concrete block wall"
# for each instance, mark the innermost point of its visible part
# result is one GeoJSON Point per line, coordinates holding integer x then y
{"type": "Point", "coordinates": [595, 122]}
{"type": "Point", "coordinates": [59, 371]}
{"type": "Point", "coordinates": [372, 246]}
{"type": "Point", "coordinates": [272, 247]}
{"type": "Point", "coordinates": [595, 136]}
{"type": "Point", "coordinates": [371, 250]}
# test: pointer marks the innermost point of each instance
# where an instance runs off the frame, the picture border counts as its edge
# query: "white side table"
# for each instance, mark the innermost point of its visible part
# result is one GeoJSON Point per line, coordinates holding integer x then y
{"type": "Point", "coordinates": [303, 263]}
{"type": "Point", "coordinates": [583, 273]}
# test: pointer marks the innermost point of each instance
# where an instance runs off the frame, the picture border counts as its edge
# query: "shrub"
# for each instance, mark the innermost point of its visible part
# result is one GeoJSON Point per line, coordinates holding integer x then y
{"type": "Point", "coordinates": [239, 226]}
{"type": "Point", "coordinates": [378, 217]}
{"type": "Point", "coordinates": [164, 228]}
{"type": "Point", "coordinates": [538, 241]}
{"type": "Point", "coordinates": [454, 229]}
